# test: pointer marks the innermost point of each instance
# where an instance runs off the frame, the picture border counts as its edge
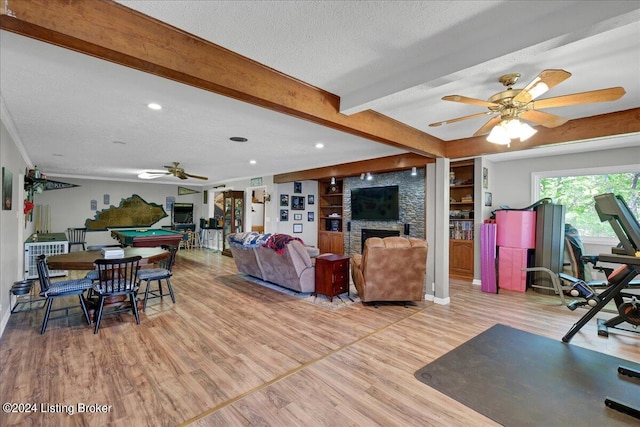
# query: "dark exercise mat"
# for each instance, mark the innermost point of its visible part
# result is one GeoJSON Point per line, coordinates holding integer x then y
{"type": "Point", "coordinates": [520, 379]}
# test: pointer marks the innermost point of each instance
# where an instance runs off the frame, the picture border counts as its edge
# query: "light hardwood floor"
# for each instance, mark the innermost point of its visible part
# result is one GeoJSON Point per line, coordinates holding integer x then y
{"type": "Point", "coordinates": [230, 353]}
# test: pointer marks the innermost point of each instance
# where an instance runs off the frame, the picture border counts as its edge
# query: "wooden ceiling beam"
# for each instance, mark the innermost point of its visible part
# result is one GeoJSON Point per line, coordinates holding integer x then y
{"type": "Point", "coordinates": [113, 32]}
{"type": "Point", "coordinates": [379, 165]}
{"type": "Point", "coordinates": [574, 131]}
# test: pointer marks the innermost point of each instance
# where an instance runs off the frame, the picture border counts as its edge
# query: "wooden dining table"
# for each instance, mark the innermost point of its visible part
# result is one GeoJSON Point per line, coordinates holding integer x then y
{"type": "Point", "coordinates": [84, 260]}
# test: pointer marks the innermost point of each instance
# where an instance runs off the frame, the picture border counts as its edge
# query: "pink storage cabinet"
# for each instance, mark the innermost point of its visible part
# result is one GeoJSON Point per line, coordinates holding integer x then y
{"type": "Point", "coordinates": [516, 229]}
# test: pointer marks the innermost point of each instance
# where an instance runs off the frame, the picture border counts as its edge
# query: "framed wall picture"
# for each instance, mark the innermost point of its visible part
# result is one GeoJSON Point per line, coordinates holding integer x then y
{"type": "Point", "coordinates": [106, 199]}
{"type": "Point", "coordinates": [284, 200]}
{"type": "Point", "coordinates": [485, 178]}
{"type": "Point", "coordinates": [284, 214]}
{"type": "Point", "coordinates": [487, 198]}
{"type": "Point", "coordinates": [297, 203]}
{"type": "Point", "coordinates": [311, 199]}
{"type": "Point", "coordinates": [297, 187]}
{"type": "Point", "coordinates": [310, 216]}
{"type": "Point", "coordinates": [7, 189]}
{"type": "Point", "coordinates": [297, 228]}
{"type": "Point", "coordinates": [297, 217]}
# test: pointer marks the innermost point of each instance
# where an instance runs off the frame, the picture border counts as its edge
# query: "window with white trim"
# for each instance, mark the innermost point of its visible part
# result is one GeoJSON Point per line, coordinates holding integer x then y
{"type": "Point", "coordinates": [575, 190]}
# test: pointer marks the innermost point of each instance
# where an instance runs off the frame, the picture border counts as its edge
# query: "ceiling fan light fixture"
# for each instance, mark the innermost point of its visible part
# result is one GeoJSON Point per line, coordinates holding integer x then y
{"type": "Point", "coordinates": [499, 135]}
{"type": "Point", "coordinates": [526, 132]}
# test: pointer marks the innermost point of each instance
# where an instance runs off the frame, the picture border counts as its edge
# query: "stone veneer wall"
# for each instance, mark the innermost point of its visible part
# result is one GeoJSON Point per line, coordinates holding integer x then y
{"type": "Point", "coordinates": [411, 209]}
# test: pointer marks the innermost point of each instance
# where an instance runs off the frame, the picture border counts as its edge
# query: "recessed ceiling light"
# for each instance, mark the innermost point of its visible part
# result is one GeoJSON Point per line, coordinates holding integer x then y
{"type": "Point", "coordinates": [154, 106]}
{"type": "Point", "coordinates": [238, 139]}
{"type": "Point", "coordinates": [253, 162]}
{"type": "Point", "coordinates": [319, 145]}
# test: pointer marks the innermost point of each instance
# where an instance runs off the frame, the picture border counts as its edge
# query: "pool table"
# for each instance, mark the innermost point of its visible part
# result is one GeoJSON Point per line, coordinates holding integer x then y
{"type": "Point", "coordinates": [147, 237]}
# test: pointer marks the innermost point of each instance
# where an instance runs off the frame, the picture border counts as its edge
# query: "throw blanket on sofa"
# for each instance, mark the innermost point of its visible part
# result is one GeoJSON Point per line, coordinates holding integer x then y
{"type": "Point", "coordinates": [249, 240]}
{"type": "Point", "coordinates": [277, 242]}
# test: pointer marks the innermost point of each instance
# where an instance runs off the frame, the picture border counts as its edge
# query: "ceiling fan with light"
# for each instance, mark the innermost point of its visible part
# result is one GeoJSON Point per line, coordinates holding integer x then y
{"type": "Point", "coordinates": [172, 170]}
{"type": "Point", "coordinates": [511, 106]}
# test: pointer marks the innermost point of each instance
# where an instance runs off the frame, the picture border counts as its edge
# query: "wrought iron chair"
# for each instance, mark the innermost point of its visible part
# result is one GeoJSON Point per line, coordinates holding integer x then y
{"type": "Point", "coordinates": [77, 237]}
{"type": "Point", "coordinates": [163, 272]}
{"type": "Point", "coordinates": [51, 290]}
{"type": "Point", "coordinates": [116, 277]}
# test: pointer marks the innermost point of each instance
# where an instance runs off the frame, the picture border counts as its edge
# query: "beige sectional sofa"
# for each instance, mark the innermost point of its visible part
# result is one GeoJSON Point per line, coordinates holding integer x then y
{"type": "Point", "coordinates": [290, 265]}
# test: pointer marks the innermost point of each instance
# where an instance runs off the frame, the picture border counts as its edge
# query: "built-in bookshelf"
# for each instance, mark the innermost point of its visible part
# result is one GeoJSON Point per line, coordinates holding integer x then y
{"type": "Point", "coordinates": [461, 219]}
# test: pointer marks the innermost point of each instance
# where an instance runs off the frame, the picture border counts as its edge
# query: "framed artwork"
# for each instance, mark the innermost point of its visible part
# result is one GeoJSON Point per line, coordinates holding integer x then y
{"type": "Point", "coordinates": [256, 181]}
{"type": "Point", "coordinates": [310, 199]}
{"type": "Point", "coordinates": [297, 203]}
{"type": "Point", "coordinates": [106, 199]}
{"type": "Point", "coordinates": [485, 178]}
{"type": "Point", "coordinates": [7, 189]}
{"type": "Point", "coordinates": [284, 214]}
{"type": "Point", "coordinates": [169, 201]}
{"type": "Point", "coordinates": [284, 200]}
{"type": "Point", "coordinates": [297, 217]}
{"type": "Point", "coordinates": [487, 198]}
{"type": "Point", "coordinates": [94, 205]}
{"type": "Point", "coordinates": [310, 216]}
{"type": "Point", "coordinates": [297, 187]}
{"type": "Point", "coordinates": [297, 228]}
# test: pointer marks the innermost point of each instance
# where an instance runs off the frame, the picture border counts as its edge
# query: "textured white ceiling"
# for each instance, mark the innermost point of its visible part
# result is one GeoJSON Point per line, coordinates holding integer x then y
{"type": "Point", "coordinates": [396, 57]}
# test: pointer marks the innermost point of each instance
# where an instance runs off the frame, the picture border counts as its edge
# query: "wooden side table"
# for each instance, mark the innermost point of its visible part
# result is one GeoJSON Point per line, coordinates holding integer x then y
{"type": "Point", "coordinates": [332, 275]}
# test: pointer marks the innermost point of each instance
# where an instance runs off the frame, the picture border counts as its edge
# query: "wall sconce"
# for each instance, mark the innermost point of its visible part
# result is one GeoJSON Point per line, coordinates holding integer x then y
{"type": "Point", "coordinates": [333, 180]}
{"type": "Point", "coordinates": [362, 176]}
{"type": "Point", "coordinates": [414, 172]}
{"type": "Point", "coordinates": [369, 176]}
{"type": "Point", "coordinates": [267, 198]}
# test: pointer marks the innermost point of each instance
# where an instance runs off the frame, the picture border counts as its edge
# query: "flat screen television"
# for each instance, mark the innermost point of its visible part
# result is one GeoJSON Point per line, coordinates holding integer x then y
{"type": "Point", "coordinates": [183, 213]}
{"type": "Point", "coordinates": [375, 203]}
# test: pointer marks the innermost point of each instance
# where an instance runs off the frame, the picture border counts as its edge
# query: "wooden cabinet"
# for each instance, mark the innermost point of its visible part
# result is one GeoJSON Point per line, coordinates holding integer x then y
{"type": "Point", "coordinates": [332, 275]}
{"type": "Point", "coordinates": [461, 258]}
{"type": "Point", "coordinates": [330, 217]}
{"type": "Point", "coordinates": [233, 209]}
{"type": "Point", "coordinates": [461, 219]}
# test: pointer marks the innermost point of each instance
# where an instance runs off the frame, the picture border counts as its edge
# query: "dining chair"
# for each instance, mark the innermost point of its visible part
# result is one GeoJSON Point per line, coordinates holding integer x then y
{"type": "Point", "coordinates": [116, 277]}
{"type": "Point", "coordinates": [51, 290]}
{"type": "Point", "coordinates": [77, 237]}
{"type": "Point", "coordinates": [163, 272]}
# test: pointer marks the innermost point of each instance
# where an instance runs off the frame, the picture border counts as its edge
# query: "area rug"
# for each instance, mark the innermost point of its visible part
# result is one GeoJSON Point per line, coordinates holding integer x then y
{"type": "Point", "coordinates": [338, 302]}
{"type": "Point", "coordinates": [520, 379]}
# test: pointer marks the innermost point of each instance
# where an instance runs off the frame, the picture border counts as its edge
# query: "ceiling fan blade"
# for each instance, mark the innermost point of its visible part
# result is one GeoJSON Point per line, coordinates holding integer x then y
{"type": "Point", "coordinates": [541, 84]}
{"type": "Point", "coordinates": [544, 119]}
{"type": "Point", "coordinates": [486, 128]}
{"type": "Point", "coordinates": [459, 119]}
{"type": "Point", "coordinates": [601, 95]}
{"type": "Point", "coordinates": [196, 176]}
{"type": "Point", "coordinates": [467, 100]}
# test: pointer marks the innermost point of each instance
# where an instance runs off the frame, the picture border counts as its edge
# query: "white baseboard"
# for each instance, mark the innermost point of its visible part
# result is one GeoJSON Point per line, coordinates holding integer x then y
{"type": "Point", "coordinates": [440, 301]}
{"type": "Point", "coordinates": [476, 282]}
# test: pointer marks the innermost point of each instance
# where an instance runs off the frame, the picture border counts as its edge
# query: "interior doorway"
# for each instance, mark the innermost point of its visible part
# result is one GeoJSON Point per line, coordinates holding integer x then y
{"type": "Point", "coordinates": [257, 208]}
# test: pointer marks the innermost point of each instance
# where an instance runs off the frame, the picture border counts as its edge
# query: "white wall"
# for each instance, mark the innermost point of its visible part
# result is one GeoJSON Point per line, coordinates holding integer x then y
{"type": "Point", "coordinates": [511, 181]}
{"type": "Point", "coordinates": [12, 228]}
{"type": "Point", "coordinates": [71, 207]}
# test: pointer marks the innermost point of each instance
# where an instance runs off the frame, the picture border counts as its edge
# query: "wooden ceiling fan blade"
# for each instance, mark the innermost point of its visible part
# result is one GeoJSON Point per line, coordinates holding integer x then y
{"type": "Point", "coordinates": [459, 119]}
{"type": "Point", "coordinates": [486, 128]}
{"type": "Point", "coordinates": [196, 176]}
{"type": "Point", "coordinates": [601, 95]}
{"type": "Point", "coordinates": [542, 118]}
{"type": "Point", "coordinates": [467, 100]}
{"type": "Point", "coordinates": [541, 84]}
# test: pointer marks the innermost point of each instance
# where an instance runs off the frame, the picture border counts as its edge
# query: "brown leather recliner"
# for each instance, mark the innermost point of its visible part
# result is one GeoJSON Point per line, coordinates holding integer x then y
{"type": "Point", "coordinates": [390, 269]}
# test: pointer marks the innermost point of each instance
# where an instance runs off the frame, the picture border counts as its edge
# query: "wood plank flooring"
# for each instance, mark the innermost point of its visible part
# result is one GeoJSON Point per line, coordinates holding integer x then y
{"type": "Point", "coordinates": [231, 353]}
